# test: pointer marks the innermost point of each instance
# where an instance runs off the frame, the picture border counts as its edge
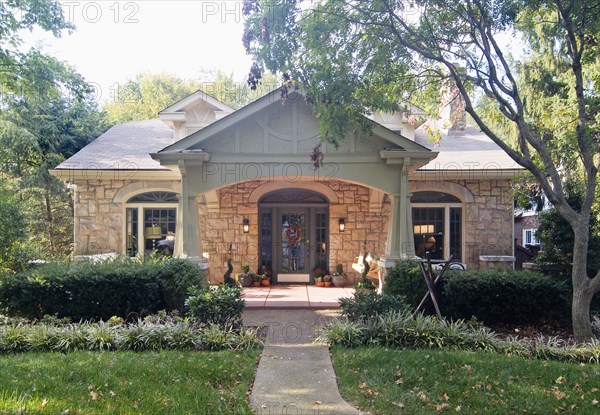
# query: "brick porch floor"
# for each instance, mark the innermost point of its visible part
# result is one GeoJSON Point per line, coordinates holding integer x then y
{"type": "Point", "coordinates": [295, 296]}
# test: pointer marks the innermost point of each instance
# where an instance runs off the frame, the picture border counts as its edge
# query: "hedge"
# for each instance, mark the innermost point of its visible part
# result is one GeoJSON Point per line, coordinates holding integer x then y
{"type": "Point", "coordinates": [492, 296]}
{"type": "Point", "coordinates": [99, 290]}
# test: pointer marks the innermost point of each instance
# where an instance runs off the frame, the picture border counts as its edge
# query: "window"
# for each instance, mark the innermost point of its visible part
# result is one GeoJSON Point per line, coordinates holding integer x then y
{"type": "Point", "coordinates": [437, 225]}
{"type": "Point", "coordinates": [530, 237]}
{"type": "Point", "coordinates": [150, 223]}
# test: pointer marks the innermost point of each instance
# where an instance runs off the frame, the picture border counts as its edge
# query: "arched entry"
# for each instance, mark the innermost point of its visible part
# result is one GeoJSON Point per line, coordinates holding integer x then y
{"type": "Point", "coordinates": [293, 234]}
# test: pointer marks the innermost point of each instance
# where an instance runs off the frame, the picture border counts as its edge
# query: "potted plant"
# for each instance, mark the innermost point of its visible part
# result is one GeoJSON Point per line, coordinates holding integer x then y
{"type": "Point", "coordinates": [339, 278]}
{"type": "Point", "coordinates": [245, 278]}
{"type": "Point", "coordinates": [365, 284]}
{"type": "Point", "coordinates": [265, 280]}
{"type": "Point", "coordinates": [327, 280]}
{"type": "Point", "coordinates": [256, 279]}
{"type": "Point", "coordinates": [319, 281]}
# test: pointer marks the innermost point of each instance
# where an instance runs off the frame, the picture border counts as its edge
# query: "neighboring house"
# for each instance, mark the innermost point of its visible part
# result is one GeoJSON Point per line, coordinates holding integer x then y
{"type": "Point", "coordinates": [215, 181]}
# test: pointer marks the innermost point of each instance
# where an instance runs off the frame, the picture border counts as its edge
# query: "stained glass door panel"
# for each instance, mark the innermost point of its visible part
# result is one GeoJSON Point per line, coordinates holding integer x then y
{"type": "Point", "coordinates": [293, 243]}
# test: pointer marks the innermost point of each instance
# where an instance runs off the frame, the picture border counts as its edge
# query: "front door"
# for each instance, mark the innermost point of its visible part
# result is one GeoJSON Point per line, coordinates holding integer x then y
{"type": "Point", "coordinates": [294, 237]}
{"type": "Point", "coordinates": [293, 256]}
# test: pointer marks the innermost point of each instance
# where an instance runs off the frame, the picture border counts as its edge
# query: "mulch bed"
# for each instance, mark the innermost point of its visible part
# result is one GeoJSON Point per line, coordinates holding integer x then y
{"type": "Point", "coordinates": [559, 329]}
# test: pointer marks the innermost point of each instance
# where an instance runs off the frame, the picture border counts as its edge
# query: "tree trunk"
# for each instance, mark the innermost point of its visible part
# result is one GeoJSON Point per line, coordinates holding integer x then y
{"type": "Point", "coordinates": [583, 290]}
{"type": "Point", "coordinates": [580, 314]}
{"type": "Point", "coordinates": [50, 219]}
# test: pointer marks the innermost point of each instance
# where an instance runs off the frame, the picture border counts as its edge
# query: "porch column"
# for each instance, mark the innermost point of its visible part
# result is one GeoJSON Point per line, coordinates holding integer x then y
{"type": "Point", "coordinates": [189, 224]}
{"type": "Point", "coordinates": [400, 244]}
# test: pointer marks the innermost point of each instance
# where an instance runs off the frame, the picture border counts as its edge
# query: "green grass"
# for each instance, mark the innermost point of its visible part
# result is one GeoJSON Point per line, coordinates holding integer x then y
{"type": "Point", "coordinates": [90, 383]}
{"type": "Point", "coordinates": [394, 381]}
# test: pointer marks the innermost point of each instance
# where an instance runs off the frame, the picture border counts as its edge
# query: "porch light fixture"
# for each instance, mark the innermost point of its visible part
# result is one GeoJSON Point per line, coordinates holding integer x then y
{"type": "Point", "coordinates": [342, 223]}
{"type": "Point", "coordinates": [423, 229]}
{"type": "Point", "coordinates": [246, 224]}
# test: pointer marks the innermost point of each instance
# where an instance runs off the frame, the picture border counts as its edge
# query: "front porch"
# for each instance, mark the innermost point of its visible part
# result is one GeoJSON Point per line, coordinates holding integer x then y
{"type": "Point", "coordinates": [300, 296]}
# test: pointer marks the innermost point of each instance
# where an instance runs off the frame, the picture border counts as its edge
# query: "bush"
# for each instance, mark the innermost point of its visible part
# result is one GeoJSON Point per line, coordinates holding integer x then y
{"type": "Point", "coordinates": [369, 305]}
{"type": "Point", "coordinates": [503, 296]}
{"type": "Point", "coordinates": [492, 296]}
{"type": "Point", "coordinates": [221, 305]}
{"type": "Point", "coordinates": [402, 330]}
{"type": "Point", "coordinates": [89, 291]}
{"type": "Point", "coordinates": [140, 336]}
{"type": "Point", "coordinates": [406, 279]}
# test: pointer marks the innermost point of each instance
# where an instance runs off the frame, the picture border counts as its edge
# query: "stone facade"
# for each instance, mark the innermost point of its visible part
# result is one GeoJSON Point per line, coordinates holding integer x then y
{"type": "Point", "coordinates": [98, 220]}
{"type": "Point", "coordinates": [217, 230]}
{"type": "Point", "coordinates": [487, 227]}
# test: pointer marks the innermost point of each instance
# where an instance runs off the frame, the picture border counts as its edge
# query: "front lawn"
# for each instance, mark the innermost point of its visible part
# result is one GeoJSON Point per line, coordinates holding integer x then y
{"type": "Point", "coordinates": [90, 383]}
{"type": "Point", "coordinates": [401, 381]}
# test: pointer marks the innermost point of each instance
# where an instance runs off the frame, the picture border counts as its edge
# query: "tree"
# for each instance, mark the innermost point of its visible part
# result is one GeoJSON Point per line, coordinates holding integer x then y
{"type": "Point", "coordinates": [147, 94]}
{"type": "Point", "coordinates": [352, 57]}
{"type": "Point", "coordinates": [38, 130]}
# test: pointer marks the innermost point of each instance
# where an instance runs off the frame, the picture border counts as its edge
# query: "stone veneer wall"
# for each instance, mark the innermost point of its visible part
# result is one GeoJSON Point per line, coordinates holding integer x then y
{"type": "Point", "coordinates": [219, 229]}
{"type": "Point", "coordinates": [488, 228]}
{"type": "Point", "coordinates": [98, 222]}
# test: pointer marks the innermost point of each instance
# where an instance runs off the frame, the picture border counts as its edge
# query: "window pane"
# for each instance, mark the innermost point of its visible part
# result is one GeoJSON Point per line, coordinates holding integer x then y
{"type": "Point", "coordinates": [433, 197]}
{"type": "Point", "coordinates": [131, 231]}
{"type": "Point", "coordinates": [265, 240]}
{"type": "Point", "coordinates": [456, 233]}
{"type": "Point", "coordinates": [159, 225]}
{"type": "Point", "coordinates": [429, 235]}
{"type": "Point", "coordinates": [321, 245]}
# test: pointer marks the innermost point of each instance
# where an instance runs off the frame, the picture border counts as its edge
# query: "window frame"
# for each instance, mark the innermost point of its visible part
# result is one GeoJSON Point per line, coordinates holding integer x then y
{"type": "Point", "coordinates": [534, 237]}
{"type": "Point", "coordinates": [141, 206]}
{"type": "Point", "coordinates": [446, 207]}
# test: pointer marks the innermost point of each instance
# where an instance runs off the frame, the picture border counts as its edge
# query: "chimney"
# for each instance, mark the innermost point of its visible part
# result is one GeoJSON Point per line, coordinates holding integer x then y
{"type": "Point", "coordinates": [452, 108]}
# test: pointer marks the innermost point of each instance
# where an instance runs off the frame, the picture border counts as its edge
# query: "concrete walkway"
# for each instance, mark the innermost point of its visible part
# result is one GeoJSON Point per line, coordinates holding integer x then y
{"type": "Point", "coordinates": [295, 296]}
{"type": "Point", "coordinates": [295, 375]}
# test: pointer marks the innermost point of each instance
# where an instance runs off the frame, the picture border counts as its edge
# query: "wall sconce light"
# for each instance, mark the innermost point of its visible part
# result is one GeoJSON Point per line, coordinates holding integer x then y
{"type": "Point", "coordinates": [342, 223]}
{"type": "Point", "coordinates": [246, 224]}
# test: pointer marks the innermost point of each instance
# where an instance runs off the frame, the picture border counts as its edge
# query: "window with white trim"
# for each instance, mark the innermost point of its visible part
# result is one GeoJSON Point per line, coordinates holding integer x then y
{"type": "Point", "coordinates": [530, 237]}
{"type": "Point", "coordinates": [150, 222]}
{"type": "Point", "coordinates": [437, 225]}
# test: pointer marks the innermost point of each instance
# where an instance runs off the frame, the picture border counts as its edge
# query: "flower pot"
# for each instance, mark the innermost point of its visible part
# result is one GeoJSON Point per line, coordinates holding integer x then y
{"type": "Point", "coordinates": [327, 283]}
{"type": "Point", "coordinates": [256, 283]}
{"type": "Point", "coordinates": [339, 281]}
{"type": "Point", "coordinates": [245, 280]}
{"type": "Point", "coordinates": [320, 284]}
{"type": "Point", "coordinates": [265, 283]}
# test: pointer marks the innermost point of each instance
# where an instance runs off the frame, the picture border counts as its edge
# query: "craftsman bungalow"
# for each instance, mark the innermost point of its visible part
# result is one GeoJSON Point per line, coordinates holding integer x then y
{"type": "Point", "coordinates": [204, 179]}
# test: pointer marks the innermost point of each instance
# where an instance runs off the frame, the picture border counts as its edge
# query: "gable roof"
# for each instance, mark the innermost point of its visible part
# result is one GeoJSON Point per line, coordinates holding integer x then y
{"type": "Point", "coordinates": [274, 98]}
{"type": "Point", "coordinates": [191, 99]}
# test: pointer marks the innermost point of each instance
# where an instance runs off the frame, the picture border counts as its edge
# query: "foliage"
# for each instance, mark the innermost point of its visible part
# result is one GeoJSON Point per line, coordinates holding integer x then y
{"type": "Point", "coordinates": [39, 128]}
{"type": "Point", "coordinates": [369, 305]}
{"type": "Point", "coordinates": [406, 279]}
{"type": "Point", "coordinates": [98, 290]}
{"type": "Point", "coordinates": [390, 381]}
{"type": "Point", "coordinates": [503, 296]}
{"type": "Point", "coordinates": [156, 383]}
{"type": "Point", "coordinates": [403, 330]}
{"type": "Point", "coordinates": [557, 240]}
{"type": "Point", "coordinates": [13, 253]}
{"type": "Point", "coordinates": [144, 96]}
{"type": "Point", "coordinates": [221, 305]}
{"type": "Point", "coordinates": [352, 58]}
{"type": "Point", "coordinates": [143, 335]}
{"type": "Point", "coordinates": [492, 296]}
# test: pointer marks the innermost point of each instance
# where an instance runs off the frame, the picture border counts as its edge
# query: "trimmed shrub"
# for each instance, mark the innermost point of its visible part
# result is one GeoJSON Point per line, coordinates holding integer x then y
{"type": "Point", "coordinates": [503, 296]}
{"type": "Point", "coordinates": [221, 305]}
{"type": "Point", "coordinates": [90, 291]}
{"type": "Point", "coordinates": [492, 296]}
{"type": "Point", "coordinates": [406, 279]}
{"type": "Point", "coordinates": [369, 305]}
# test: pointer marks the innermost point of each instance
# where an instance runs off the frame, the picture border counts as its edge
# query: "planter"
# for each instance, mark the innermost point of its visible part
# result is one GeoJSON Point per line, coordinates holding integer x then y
{"type": "Point", "coordinates": [327, 283]}
{"type": "Point", "coordinates": [338, 281]}
{"type": "Point", "coordinates": [319, 283]}
{"type": "Point", "coordinates": [245, 280]}
{"type": "Point", "coordinates": [256, 283]}
{"type": "Point", "coordinates": [265, 283]}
